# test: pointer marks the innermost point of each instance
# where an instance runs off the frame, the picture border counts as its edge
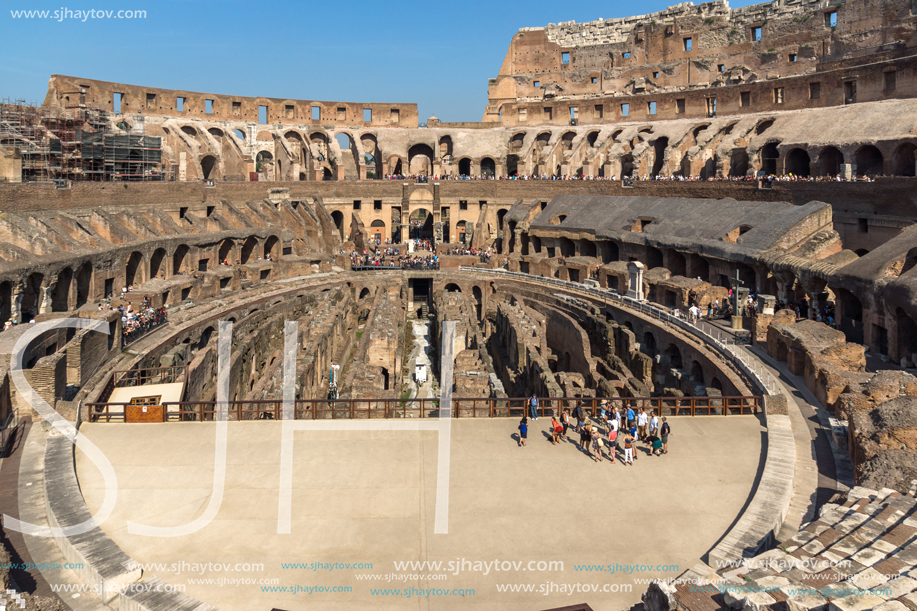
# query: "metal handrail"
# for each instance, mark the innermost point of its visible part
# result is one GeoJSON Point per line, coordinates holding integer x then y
{"type": "Point", "coordinates": [462, 407]}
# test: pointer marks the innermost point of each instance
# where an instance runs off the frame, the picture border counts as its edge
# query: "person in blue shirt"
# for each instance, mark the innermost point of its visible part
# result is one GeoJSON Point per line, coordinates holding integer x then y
{"type": "Point", "coordinates": [630, 417]}
{"type": "Point", "coordinates": [533, 407]}
{"type": "Point", "coordinates": [523, 430]}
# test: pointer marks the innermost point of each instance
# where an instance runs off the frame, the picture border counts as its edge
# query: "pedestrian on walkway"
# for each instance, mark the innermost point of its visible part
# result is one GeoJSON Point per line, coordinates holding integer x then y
{"type": "Point", "coordinates": [654, 423]}
{"type": "Point", "coordinates": [642, 422]}
{"type": "Point", "coordinates": [565, 418]}
{"type": "Point", "coordinates": [556, 430]}
{"type": "Point", "coordinates": [523, 430]}
{"type": "Point", "coordinates": [597, 445]}
{"type": "Point", "coordinates": [533, 407]}
{"type": "Point", "coordinates": [628, 450]}
{"type": "Point", "coordinates": [665, 431]}
{"type": "Point", "coordinates": [613, 425]}
{"type": "Point", "coordinates": [585, 437]}
{"type": "Point", "coordinates": [580, 416]}
{"type": "Point", "coordinates": [631, 417]}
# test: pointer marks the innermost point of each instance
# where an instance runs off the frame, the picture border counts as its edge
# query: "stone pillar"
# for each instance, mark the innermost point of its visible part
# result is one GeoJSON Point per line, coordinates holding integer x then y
{"type": "Point", "coordinates": [16, 308]}
{"type": "Point", "coordinates": [45, 300]}
{"type": "Point", "coordinates": [766, 304]}
{"type": "Point", "coordinates": [635, 280]}
{"type": "Point", "coordinates": [848, 170]}
{"type": "Point", "coordinates": [182, 166]}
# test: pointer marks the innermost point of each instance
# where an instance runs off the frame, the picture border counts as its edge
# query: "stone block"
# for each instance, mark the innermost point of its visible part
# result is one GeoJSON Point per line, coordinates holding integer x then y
{"type": "Point", "coordinates": [856, 602]}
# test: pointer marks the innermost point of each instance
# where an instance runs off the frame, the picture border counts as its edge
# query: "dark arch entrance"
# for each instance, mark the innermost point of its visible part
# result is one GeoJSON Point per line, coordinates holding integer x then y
{"type": "Point", "coordinates": [869, 161]}
{"type": "Point", "coordinates": [659, 147]}
{"type": "Point", "coordinates": [60, 296]}
{"type": "Point", "coordinates": [208, 164]}
{"type": "Point", "coordinates": [904, 160]}
{"type": "Point", "coordinates": [156, 260]}
{"type": "Point", "coordinates": [180, 263]}
{"type": "Point", "coordinates": [464, 166]}
{"type": "Point", "coordinates": [338, 217]}
{"type": "Point", "coordinates": [797, 162]}
{"type": "Point", "coordinates": [83, 285]}
{"type": "Point", "coordinates": [225, 252]}
{"type": "Point", "coordinates": [738, 164]}
{"type": "Point", "coordinates": [830, 161]}
{"type": "Point", "coordinates": [30, 297]}
{"type": "Point", "coordinates": [769, 157]}
{"type": "Point", "coordinates": [248, 248]}
{"type": "Point", "coordinates": [133, 272]}
{"type": "Point", "coordinates": [488, 167]}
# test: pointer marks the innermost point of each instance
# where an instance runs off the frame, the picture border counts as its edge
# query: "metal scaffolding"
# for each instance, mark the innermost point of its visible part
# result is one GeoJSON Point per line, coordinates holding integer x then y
{"type": "Point", "coordinates": [78, 143]}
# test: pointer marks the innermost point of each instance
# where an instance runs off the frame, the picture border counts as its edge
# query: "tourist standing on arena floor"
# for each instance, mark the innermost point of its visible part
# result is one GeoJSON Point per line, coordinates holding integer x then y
{"type": "Point", "coordinates": [597, 445]}
{"type": "Point", "coordinates": [631, 418]}
{"type": "Point", "coordinates": [614, 424]}
{"type": "Point", "coordinates": [556, 429]}
{"type": "Point", "coordinates": [664, 433]}
{"type": "Point", "coordinates": [533, 407]}
{"type": "Point", "coordinates": [565, 417]}
{"type": "Point", "coordinates": [523, 430]}
{"type": "Point", "coordinates": [654, 423]}
{"type": "Point", "coordinates": [628, 449]}
{"type": "Point", "coordinates": [642, 422]}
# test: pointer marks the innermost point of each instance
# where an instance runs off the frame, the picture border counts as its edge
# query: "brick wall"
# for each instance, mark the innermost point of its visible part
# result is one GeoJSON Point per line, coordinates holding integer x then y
{"type": "Point", "coordinates": [891, 196]}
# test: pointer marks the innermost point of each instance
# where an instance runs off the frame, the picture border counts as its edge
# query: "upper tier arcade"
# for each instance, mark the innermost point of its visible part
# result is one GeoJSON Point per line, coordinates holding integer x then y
{"type": "Point", "coordinates": [704, 60]}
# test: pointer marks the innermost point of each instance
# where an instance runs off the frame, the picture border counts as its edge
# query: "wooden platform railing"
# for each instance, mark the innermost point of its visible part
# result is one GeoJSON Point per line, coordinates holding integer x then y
{"type": "Point", "coordinates": [355, 409]}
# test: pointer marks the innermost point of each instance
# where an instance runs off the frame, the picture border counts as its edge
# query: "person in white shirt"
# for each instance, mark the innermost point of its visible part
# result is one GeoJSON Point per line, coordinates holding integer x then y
{"type": "Point", "coordinates": [654, 424]}
{"type": "Point", "coordinates": [642, 421]}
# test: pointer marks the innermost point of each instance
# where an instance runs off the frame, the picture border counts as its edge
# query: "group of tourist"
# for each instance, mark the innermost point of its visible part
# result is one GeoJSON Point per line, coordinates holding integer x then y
{"type": "Point", "coordinates": [134, 324]}
{"type": "Point", "coordinates": [616, 429]}
{"type": "Point", "coordinates": [646, 177]}
{"type": "Point", "coordinates": [423, 244]}
{"type": "Point", "coordinates": [391, 258]}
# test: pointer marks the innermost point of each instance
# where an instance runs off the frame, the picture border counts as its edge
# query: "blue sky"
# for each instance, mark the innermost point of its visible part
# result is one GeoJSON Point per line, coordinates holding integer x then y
{"type": "Point", "coordinates": [436, 54]}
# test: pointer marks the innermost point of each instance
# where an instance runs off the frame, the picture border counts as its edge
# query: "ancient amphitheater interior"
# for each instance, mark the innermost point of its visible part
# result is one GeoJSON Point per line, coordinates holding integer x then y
{"type": "Point", "coordinates": [258, 353]}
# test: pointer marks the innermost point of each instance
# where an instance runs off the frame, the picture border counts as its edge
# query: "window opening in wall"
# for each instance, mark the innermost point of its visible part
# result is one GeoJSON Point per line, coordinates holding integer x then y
{"type": "Point", "coordinates": [850, 92]}
{"type": "Point", "coordinates": [565, 58]}
{"type": "Point", "coordinates": [814, 91]}
{"type": "Point", "coordinates": [109, 287]}
{"type": "Point", "coordinates": [574, 112]}
{"type": "Point", "coordinates": [831, 19]}
{"type": "Point", "coordinates": [180, 104]}
{"type": "Point", "coordinates": [367, 115]}
{"type": "Point", "coordinates": [395, 115]}
{"type": "Point", "coordinates": [792, 57]}
{"type": "Point", "coordinates": [316, 113]}
{"type": "Point", "coordinates": [536, 84]}
{"type": "Point", "coordinates": [208, 107]}
{"type": "Point", "coordinates": [463, 205]}
{"type": "Point", "coordinates": [116, 103]}
{"type": "Point", "coordinates": [595, 80]}
{"type": "Point", "coordinates": [182, 212]}
{"type": "Point", "coordinates": [625, 110]}
{"type": "Point", "coordinates": [652, 108]}
{"type": "Point", "coordinates": [599, 111]}
{"type": "Point", "coordinates": [863, 225]}
{"type": "Point", "coordinates": [627, 55]}
{"type": "Point", "coordinates": [891, 80]}
{"type": "Point", "coordinates": [262, 114]}
{"type": "Point", "coordinates": [151, 100]}
{"type": "Point", "coordinates": [756, 34]}
{"type": "Point", "coordinates": [655, 75]}
{"type": "Point", "coordinates": [778, 95]}
{"type": "Point", "coordinates": [288, 111]}
{"type": "Point", "coordinates": [377, 204]}
{"type": "Point", "coordinates": [745, 99]}
{"type": "Point", "coordinates": [689, 43]}
{"type": "Point", "coordinates": [356, 204]}
{"type": "Point", "coordinates": [547, 113]}
{"type": "Point", "coordinates": [680, 106]}
{"type": "Point", "coordinates": [711, 107]}
{"type": "Point", "coordinates": [237, 109]}
{"type": "Point", "coordinates": [202, 265]}
{"type": "Point", "coordinates": [210, 210]}
{"type": "Point", "coordinates": [721, 67]}
{"type": "Point", "coordinates": [342, 113]}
